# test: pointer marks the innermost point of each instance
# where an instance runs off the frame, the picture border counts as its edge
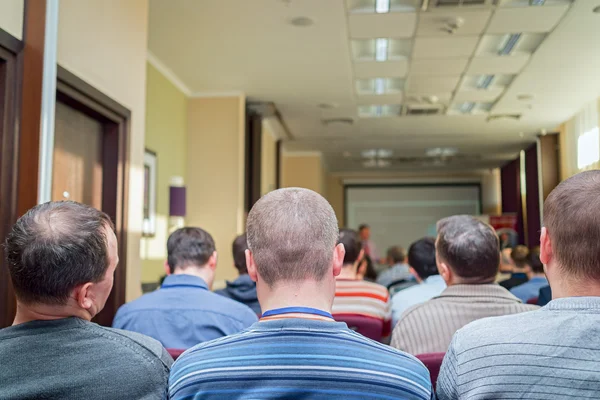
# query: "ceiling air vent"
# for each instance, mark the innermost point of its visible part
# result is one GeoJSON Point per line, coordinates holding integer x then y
{"type": "Point", "coordinates": [462, 3]}
{"type": "Point", "coordinates": [331, 121]}
{"type": "Point", "coordinates": [425, 109]}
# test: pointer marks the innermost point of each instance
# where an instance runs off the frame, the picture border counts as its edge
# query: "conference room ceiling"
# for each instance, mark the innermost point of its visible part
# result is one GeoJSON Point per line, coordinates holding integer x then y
{"type": "Point", "coordinates": [438, 79]}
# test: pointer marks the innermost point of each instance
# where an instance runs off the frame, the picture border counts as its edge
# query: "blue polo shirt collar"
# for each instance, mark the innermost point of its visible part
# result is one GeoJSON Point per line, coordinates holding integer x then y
{"type": "Point", "coordinates": [173, 281]}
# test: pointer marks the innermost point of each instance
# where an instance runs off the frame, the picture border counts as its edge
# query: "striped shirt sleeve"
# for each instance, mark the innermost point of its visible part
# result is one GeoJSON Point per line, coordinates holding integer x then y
{"type": "Point", "coordinates": [446, 383]}
{"type": "Point", "coordinates": [387, 321]}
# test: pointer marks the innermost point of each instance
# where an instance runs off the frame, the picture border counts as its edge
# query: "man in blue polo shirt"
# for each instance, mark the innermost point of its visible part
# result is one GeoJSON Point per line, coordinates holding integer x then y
{"type": "Point", "coordinates": [297, 350]}
{"type": "Point", "coordinates": [184, 312]}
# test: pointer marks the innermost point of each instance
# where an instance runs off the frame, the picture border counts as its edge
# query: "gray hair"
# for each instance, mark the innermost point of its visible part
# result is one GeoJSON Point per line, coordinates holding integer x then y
{"type": "Point", "coordinates": [469, 246]}
{"type": "Point", "coordinates": [292, 233]}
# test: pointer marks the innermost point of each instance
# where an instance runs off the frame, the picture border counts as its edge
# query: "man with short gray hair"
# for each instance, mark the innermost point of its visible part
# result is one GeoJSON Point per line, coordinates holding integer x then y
{"type": "Point", "coordinates": [554, 352]}
{"type": "Point", "coordinates": [467, 257]}
{"type": "Point", "coordinates": [296, 350]}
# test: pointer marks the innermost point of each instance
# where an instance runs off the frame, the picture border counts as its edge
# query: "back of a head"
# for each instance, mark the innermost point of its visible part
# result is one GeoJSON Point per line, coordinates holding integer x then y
{"type": "Point", "coordinates": [421, 257]}
{"type": "Point", "coordinates": [520, 256]}
{"type": "Point", "coordinates": [56, 247]}
{"type": "Point", "coordinates": [572, 220]}
{"type": "Point", "coordinates": [468, 246]}
{"type": "Point", "coordinates": [534, 261]}
{"type": "Point", "coordinates": [238, 249]}
{"type": "Point", "coordinates": [396, 254]}
{"type": "Point", "coordinates": [189, 247]}
{"type": "Point", "coordinates": [292, 233]}
{"type": "Point", "coordinates": [352, 244]}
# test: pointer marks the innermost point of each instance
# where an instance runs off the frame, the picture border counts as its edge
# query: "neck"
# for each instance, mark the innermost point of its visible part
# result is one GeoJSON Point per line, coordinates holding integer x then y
{"type": "Point", "coordinates": [311, 294]}
{"type": "Point", "coordinates": [46, 312]}
{"type": "Point", "coordinates": [575, 287]}
{"type": "Point", "coordinates": [348, 272]}
{"type": "Point", "coordinates": [201, 272]}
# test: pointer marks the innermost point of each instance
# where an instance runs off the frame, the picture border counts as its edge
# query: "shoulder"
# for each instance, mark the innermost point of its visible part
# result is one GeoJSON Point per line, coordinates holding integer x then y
{"type": "Point", "coordinates": [141, 345]}
{"type": "Point", "coordinates": [142, 301]}
{"type": "Point", "coordinates": [483, 330]}
{"type": "Point", "coordinates": [231, 308]}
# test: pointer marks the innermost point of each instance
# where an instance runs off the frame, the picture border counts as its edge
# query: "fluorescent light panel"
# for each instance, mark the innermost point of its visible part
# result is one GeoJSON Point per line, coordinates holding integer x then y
{"type": "Point", "coordinates": [467, 107]}
{"type": "Point", "coordinates": [485, 81]}
{"type": "Point", "coordinates": [381, 49]}
{"type": "Point", "coordinates": [379, 86]}
{"type": "Point", "coordinates": [382, 6]}
{"type": "Point", "coordinates": [509, 44]}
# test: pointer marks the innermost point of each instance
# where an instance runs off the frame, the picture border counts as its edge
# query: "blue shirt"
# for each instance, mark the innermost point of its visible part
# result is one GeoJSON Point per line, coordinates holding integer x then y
{"type": "Point", "coordinates": [530, 289]}
{"type": "Point", "coordinates": [395, 273]}
{"type": "Point", "coordinates": [431, 287]}
{"type": "Point", "coordinates": [183, 313]}
{"type": "Point", "coordinates": [298, 358]}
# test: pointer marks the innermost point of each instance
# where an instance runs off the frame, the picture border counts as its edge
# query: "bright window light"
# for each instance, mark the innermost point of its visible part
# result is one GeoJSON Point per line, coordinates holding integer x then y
{"type": "Point", "coordinates": [381, 49]}
{"type": "Point", "coordinates": [588, 148]}
{"type": "Point", "coordinates": [382, 6]}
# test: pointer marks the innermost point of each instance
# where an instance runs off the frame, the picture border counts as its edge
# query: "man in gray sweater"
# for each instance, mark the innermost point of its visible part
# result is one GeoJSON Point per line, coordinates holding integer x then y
{"type": "Point", "coordinates": [554, 352]}
{"type": "Point", "coordinates": [62, 257]}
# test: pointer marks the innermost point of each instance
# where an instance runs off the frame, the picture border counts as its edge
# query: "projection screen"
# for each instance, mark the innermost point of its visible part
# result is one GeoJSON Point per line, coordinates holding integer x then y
{"type": "Point", "coordinates": [399, 215]}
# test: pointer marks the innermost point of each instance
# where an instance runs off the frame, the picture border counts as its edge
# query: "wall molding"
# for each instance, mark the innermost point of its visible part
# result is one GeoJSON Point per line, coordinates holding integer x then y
{"type": "Point", "coordinates": [227, 93]}
{"type": "Point", "coordinates": [168, 73]}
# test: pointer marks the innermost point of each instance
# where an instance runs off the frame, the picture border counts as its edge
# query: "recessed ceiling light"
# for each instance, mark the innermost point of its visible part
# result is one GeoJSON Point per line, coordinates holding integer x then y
{"type": "Point", "coordinates": [327, 106]}
{"type": "Point", "coordinates": [302, 22]}
{"type": "Point", "coordinates": [381, 49]}
{"type": "Point", "coordinates": [596, 9]}
{"type": "Point", "coordinates": [382, 6]}
{"type": "Point", "coordinates": [525, 97]}
{"type": "Point", "coordinates": [441, 152]}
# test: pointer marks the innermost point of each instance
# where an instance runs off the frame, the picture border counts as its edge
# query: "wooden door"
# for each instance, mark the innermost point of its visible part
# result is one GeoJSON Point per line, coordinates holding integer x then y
{"type": "Point", "coordinates": [77, 160]}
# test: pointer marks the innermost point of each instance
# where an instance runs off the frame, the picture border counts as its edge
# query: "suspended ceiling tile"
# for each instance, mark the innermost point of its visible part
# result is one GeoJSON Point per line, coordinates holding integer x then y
{"type": "Point", "coordinates": [433, 67]}
{"type": "Point", "coordinates": [526, 19]}
{"type": "Point", "coordinates": [436, 23]}
{"type": "Point", "coordinates": [433, 84]}
{"type": "Point", "coordinates": [498, 64]}
{"type": "Point", "coordinates": [450, 47]}
{"type": "Point", "coordinates": [392, 25]}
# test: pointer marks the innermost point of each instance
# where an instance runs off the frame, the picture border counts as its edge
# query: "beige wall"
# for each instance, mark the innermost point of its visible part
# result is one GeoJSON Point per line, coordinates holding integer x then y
{"type": "Point", "coordinates": [215, 177]}
{"type": "Point", "coordinates": [268, 162]}
{"type": "Point", "coordinates": [303, 170]}
{"type": "Point", "coordinates": [334, 194]}
{"type": "Point", "coordinates": [104, 43]}
{"type": "Point", "coordinates": [11, 17]}
{"type": "Point", "coordinates": [166, 134]}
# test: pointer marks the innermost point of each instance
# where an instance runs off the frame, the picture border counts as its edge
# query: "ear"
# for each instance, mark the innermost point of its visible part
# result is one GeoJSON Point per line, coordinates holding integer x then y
{"type": "Point", "coordinates": [413, 272]}
{"type": "Point", "coordinates": [212, 261]}
{"type": "Point", "coordinates": [83, 296]}
{"type": "Point", "coordinates": [167, 268]}
{"type": "Point", "coordinates": [338, 258]}
{"type": "Point", "coordinates": [546, 253]}
{"type": "Point", "coordinates": [250, 265]}
{"type": "Point", "coordinates": [445, 272]}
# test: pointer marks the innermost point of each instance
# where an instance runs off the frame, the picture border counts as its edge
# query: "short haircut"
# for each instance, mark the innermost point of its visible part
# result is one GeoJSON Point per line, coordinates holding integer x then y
{"type": "Point", "coordinates": [572, 218]}
{"type": "Point", "coordinates": [238, 248]}
{"type": "Point", "coordinates": [56, 247]}
{"type": "Point", "coordinates": [349, 238]}
{"type": "Point", "coordinates": [396, 254]}
{"type": "Point", "coordinates": [363, 226]}
{"type": "Point", "coordinates": [469, 246]}
{"type": "Point", "coordinates": [292, 233]}
{"type": "Point", "coordinates": [520, 256]}
{"type": "Point", "coordinates": [421, 257]}
{"type": "Point", "coordinates": [188, 247]}
{"type": "Point", "coordinates": [534, 261]}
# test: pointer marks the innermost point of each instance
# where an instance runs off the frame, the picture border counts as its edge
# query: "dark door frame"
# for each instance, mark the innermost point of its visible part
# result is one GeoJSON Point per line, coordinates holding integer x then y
{"type": "Point", "coordinates": [10, 102]}
{"type": "Point", "coordinates": [114, 118]}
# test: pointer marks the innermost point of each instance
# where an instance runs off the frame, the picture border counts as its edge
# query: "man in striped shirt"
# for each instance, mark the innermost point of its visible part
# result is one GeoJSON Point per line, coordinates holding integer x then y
{"type": "Point", "coordinates": [554, 352]}
{"type": "Point", "coordinates": [296, 350]}
{"type": "Point", "coordinates": [467, 256]}
{"type": "Point", "coordinates": [364, 306]}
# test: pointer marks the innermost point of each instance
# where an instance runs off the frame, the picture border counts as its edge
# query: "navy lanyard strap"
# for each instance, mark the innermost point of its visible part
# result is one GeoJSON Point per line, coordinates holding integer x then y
{"type": "Point", "coordinates": [300, 310]}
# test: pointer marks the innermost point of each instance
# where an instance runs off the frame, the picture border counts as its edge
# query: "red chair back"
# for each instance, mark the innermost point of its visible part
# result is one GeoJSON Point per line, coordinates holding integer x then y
{"type": "Point", "coordinates": [369, 327]}
{"type": "Point", "coordinates": [433, 362]}
{"type": "Point", "coordinates": [175, 353]}
{"type": "Point", "coordinates": [533, 300]}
